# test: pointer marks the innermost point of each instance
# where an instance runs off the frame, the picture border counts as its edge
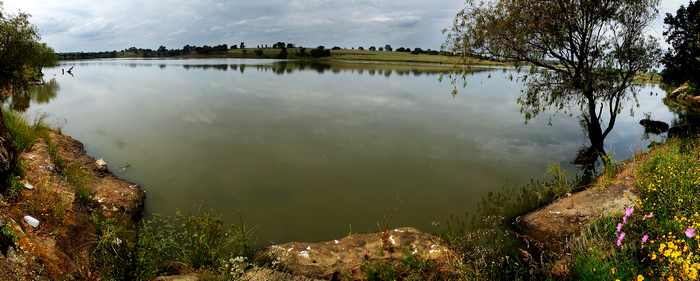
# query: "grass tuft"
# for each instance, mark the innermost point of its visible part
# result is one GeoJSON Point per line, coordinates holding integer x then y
{"type": "Point", "coordinates": [24, 132]}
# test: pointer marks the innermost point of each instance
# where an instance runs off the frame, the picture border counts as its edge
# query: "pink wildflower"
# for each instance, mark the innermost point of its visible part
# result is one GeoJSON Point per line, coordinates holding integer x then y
{"type": "Point", "coordinates": [618, 228]}
{"type": "Point", "coordinates": [620, 237]}
{"type": "Point", "coordinates": [645, 238]}
{"type": "Point", "coordinates": [628, 213]}
{"type": "Point", "coordinates": [690, 232]}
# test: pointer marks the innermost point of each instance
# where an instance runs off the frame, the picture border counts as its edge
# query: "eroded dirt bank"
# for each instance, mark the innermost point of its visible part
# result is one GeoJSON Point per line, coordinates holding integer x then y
{"type": "Point", "coordinates": [549, 229]}
{"type": "Point", "coordinates": [70, 194]}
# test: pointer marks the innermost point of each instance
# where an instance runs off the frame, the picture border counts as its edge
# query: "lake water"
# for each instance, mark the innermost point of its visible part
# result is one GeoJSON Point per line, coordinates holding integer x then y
{"type": "Point", "coordinates": [316, 152]}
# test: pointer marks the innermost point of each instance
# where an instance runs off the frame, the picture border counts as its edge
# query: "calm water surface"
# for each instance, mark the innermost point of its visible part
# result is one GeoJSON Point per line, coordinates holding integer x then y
{"type": "Point", "coordinates": [311, 154]}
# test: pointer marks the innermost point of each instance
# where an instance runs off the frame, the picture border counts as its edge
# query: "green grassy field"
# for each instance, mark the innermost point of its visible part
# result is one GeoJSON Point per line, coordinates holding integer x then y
{"type": "Point", "coordinates": [367, 56]}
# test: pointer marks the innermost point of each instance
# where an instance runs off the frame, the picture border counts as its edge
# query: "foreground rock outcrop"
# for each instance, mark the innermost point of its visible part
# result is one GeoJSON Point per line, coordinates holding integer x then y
{"type": "Point", "coordinates": [343, 259]}
{"type": "Point", "coordinates": [66, 207]}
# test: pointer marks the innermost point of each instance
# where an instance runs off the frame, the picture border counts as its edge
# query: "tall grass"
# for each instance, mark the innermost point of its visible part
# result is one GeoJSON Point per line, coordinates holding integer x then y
{"type": "Point", "coordinates": [487, 241]}
{"type": "Point", "coordinates": [168, 245]}
{"type": "Point", "coordinates": [24, 132]}
{"type": "Point", "coordinates": [200, 242]}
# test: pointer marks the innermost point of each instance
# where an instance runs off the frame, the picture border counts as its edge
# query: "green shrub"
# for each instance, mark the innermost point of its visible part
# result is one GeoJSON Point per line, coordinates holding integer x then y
{"type": "Point", "coordinates": [8, 238]}
{"type": "Point", "coordinates": [201, 242]}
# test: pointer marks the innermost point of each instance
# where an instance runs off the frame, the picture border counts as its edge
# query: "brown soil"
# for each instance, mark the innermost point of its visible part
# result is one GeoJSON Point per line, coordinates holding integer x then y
{"type": "Point", "coordinates": [60, 247]}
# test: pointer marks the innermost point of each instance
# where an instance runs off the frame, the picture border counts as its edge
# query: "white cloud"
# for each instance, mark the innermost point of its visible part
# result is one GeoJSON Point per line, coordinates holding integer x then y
{"type": "Point", "coordinates": [79, 25]}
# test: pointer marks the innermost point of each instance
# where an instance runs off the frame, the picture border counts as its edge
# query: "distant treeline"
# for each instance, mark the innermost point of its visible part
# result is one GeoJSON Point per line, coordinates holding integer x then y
{"type": "Point", "coordinates": [161, 52]}
{"type": "Point", "coordinates": [236, 50]}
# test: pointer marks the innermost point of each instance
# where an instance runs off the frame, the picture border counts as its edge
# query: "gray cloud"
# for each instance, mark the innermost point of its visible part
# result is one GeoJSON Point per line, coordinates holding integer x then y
{"type": "Point", "coordinates": [83, 25]}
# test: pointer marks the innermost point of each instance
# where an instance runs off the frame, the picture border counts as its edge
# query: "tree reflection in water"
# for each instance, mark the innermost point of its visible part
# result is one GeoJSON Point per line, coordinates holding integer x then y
{"type": "Point", "coordinates": [40, 94]}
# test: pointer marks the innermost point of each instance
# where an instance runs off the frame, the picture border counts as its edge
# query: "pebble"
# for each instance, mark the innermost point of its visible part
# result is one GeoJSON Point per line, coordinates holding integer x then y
{"type": "Point", "coordinates": [31, 221]}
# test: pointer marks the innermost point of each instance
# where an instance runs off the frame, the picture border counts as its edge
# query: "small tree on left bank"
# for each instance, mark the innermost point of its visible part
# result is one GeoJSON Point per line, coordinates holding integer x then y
{"type": "Point", "coordinates": [22, 58]}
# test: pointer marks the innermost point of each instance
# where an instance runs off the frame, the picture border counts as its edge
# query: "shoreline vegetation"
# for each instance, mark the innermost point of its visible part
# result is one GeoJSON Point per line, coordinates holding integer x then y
{"type": "Point", "coordinates": [412, 60]}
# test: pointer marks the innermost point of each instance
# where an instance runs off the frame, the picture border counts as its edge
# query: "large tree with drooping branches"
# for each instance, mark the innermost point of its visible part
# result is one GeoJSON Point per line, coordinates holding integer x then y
{"type": "Point", "coordinates": [578, 52]}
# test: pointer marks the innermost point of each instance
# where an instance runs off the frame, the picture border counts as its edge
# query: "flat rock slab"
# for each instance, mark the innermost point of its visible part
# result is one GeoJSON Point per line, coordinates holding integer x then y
{"type": "Point", "coordinates": [552, 225]}
{"type": "Point", "coordinates": [555, 223]}
{"type": "Point", "coordinates": [344, 258]}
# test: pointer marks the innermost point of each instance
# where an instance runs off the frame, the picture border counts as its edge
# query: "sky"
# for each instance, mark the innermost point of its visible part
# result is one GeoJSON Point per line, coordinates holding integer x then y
{"type": "Point", "coordinates": [89, 25]}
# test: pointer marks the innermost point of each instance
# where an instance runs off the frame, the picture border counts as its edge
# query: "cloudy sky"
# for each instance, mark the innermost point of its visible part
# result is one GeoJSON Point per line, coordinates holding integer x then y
{"type": "Point", "coordinates": [89, 25]}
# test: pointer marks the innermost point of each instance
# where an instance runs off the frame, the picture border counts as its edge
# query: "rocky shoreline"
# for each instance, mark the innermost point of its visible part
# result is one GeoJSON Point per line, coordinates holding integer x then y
{"type": "Point", "coordinates": [59, 247]}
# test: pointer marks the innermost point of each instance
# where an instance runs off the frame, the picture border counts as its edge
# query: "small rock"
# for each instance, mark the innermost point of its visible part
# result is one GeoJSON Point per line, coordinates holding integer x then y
{"type": "Point", "coordinates": [28, 186]}
{"type": "Point", "coordinates": [101, 164]}
{"type": "Point", "coordinates": [31, 221]}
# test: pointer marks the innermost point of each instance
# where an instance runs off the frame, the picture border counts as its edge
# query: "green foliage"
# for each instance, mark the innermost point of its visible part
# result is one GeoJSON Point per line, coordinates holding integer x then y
{"type": "Point", "coordinates": [655, 239]}
{"type": "Point", "coordinates": [78, 178]}
{"type": "Point", "coordinates": [410, 268]}
{"type": "Point", "coordinates": [55, 157]}
{"type": "Point", "coordinates": [15, 187]}
{"type": "Point", "coordinates": [610, 166]}
{"type": "Point", "coordinates": [486, 240]}
{"type": "Point", "coordinates": [320, 52]}
{"type": "Point", "coordinates": [24, 133]}
{"type": "Point", "coordinates": [670, 180]}
{"type": "Point", "coordinates": [113, 252]}
{"type": "Point", "coordinates": [201, 242]}
{"type": "Point", "coordinates": [8, 238]}
{"type": "Point", "coordinates": [682, 61]}
{"type": "Point", "coordinates": [580, 55]}
{"type": "Point", "coordinates": [595, 255]}
{"type": "Point", "coordinates": [21, 54]}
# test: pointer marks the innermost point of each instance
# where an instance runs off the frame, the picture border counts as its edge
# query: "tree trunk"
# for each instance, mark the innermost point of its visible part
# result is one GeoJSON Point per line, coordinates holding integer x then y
{"type": "Point", "coordinates": [595, 132]}
{"type": "Point", "coordinates": [7, 154]}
